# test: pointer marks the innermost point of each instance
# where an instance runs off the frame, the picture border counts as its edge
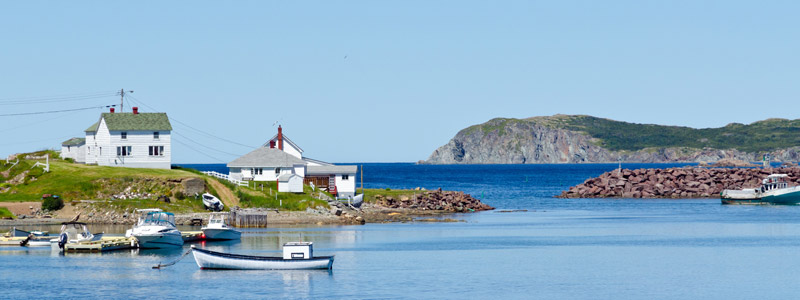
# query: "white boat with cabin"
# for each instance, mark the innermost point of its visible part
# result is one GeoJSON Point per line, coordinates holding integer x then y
{"type": "Point", "coordinates": [296, 256]}
{"type": "Point", "coordinates": [74, 232]}
{"type": "Point", "coordinates": [218, 229]}
{"type": "Point", "coordinates": [156, 229]}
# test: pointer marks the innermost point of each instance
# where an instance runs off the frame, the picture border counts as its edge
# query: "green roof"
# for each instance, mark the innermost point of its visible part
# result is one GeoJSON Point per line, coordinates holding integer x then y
{"type": "Point", "coordinates": [93, 128]}
{"type": "Point", "coordinates": [140, 121]}
{"type": "Point", "coordinates": [74, 142]}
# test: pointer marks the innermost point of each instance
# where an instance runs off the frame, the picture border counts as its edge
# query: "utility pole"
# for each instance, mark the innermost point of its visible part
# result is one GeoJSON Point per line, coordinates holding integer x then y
{"type": "Point", "coordinates": [122, 97]}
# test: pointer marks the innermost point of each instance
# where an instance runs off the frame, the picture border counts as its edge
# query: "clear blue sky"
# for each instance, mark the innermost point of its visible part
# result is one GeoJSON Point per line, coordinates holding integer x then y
{"type": "Point", "coordinates": [380, 81]}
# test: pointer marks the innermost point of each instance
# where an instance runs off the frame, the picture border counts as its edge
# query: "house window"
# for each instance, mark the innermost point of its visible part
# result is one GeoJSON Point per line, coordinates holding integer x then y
{"type": "Point", "coordinates": [156, 150]}
{"type": "Point", "coordinates": [101, 151]}
{"type": "Point", "coordinates": [277, 171]}
{"type": "Point", "coordinates": [88, 150]}
{"type": "Point", "coordinates": [123, 135]}
{"type": "Point", "coordinates": [345, 177]}
{"type": "Point", "coordinates": [155, 135]}
{"type": "Point", "coordinates": [121, 151]}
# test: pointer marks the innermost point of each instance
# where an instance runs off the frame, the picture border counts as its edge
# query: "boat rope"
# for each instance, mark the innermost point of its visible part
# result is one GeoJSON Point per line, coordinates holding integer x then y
{"type": "Point", "coordinates": [159, 266]}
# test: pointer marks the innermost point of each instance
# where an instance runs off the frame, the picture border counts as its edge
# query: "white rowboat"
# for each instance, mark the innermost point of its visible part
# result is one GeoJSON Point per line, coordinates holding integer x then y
{"type": "Point", "coordinates": [207, 259]}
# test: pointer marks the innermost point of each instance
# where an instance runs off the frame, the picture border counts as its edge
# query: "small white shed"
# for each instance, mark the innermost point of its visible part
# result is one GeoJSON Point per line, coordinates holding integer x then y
{"type": "Point", "coordinates": [290, 183]}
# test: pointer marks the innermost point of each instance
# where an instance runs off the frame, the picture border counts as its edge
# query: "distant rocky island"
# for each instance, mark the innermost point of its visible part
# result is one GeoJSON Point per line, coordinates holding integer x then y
{"type": "Point", "coordinates": [587, 139]}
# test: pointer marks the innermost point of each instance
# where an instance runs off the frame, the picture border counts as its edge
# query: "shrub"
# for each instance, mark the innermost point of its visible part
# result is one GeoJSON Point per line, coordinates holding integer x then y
{"type": "Point", "coordinates": [52, 203]}
{"type": "Point", "coordinates": [178, 195]}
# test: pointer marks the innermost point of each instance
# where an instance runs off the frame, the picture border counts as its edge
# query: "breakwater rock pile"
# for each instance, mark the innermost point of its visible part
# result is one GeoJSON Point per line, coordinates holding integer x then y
{"type": "Point", "coordinates": [434, 200]}
{"type": "Point", "coordinates": [687, 182]}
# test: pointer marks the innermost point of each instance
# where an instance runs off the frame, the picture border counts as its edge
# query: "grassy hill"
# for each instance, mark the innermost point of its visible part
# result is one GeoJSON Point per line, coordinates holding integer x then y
{"type": "Point", "coordinates": [71, 181]}
{"type": "Point", "coordinates": [766, 135]}
{"type": "Point", "coordinates": [75, 181]}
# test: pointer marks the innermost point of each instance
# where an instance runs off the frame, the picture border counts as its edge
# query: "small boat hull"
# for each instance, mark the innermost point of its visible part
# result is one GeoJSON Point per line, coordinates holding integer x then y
{"type": "Point", "coordinates": [207, 259]}
{"type": "Point", "coordinates": [221, 234]}
{"type": "Point", "coordinates": [159, 241]}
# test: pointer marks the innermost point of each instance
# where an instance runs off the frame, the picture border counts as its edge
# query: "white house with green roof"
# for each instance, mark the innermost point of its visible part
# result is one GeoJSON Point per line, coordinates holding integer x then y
{"type": "Point", "coordinates": [74, 148]}
{"type": "Point", "coordinates": [134, 140]}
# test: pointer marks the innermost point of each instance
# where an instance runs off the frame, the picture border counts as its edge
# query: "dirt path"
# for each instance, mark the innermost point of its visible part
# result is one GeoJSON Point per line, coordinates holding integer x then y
{"type": "Point", "coordinates": [225, 195]}
{"type": "Point", "coordinates": [21, 208]}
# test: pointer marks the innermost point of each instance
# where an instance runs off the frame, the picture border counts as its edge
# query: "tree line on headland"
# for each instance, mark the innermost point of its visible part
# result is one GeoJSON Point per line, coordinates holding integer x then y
{"type": "Point", "coordinates": [587, 139]}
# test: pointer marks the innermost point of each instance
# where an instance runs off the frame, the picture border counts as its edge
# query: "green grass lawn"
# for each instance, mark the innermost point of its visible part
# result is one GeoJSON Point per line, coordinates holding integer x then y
{"type": "Point", "coordinates": [5, 213]}
{"type": "Point", "coordinates": [268, 197]}
{"type": "Point", "coordinates": [369, 194]}
{"type": "Point", "coordinates": [75, 181]}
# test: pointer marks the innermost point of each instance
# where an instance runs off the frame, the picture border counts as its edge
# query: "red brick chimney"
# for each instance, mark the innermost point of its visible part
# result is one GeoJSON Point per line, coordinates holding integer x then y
{"type": "Point", "coordinates": [111, 110]}
{"type": "Point", "coordinates": [272, 144]}
{"type": "Point", "coordinates": [280, 138]}
{"type": "Point", "coordinates": [135, 110]}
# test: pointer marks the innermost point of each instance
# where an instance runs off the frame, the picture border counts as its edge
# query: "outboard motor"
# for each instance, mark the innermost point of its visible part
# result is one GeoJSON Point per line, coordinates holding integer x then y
{"type": "Point", "coordinates": [62, 240]}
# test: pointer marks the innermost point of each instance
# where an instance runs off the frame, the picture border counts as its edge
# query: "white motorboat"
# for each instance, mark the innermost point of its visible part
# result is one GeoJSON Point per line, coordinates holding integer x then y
{"type": "Point", "coordinates": [74, 232]}
{"type": "Point", "coordinates": [217, 229]}
{"type": "Point", "coordinates": [296, 256]}
{"type": "Point", "coordinates": [156, 229]}
{"type": "Point", "coordinates": [211, 202]}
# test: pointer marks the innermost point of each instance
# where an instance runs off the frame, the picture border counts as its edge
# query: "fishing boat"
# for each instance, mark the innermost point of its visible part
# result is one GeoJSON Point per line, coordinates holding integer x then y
{"type": "Point", "coordinates": [217, 229]}
{"type": "Point", "coordinates": [156, 229]}
{"type": "Point", "coordinates": [774, 189]}
{"type": "Point", "coordinates": [73, 232]}
{"type": "Point", "coordinates": [296, 256]}
{"type": "Point", "coordinates": [211, 202]}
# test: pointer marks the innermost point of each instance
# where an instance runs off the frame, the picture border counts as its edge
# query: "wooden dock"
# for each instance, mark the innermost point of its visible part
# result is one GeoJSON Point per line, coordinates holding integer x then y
{"type": "Point", "coordinates": [106, 244]}
{"type": "Point", "coordinates": [11, 241]}
{"type": "Point", "coordinates": [244, 218]}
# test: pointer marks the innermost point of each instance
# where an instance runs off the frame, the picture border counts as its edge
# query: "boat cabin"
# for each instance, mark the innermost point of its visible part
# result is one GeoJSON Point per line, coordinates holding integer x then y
{"type": "Point", "coordinates": [75, 231]}
{"type": "Point", "coordinates": [159, 218]}
{"type": "Point", "coordinates": [773, 182]}
{"type": "Point", "coordinates": [298, 250]}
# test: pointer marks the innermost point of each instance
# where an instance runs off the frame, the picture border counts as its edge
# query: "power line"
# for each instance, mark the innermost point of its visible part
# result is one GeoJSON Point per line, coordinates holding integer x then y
{"type": "Point", "coordinates": [190, 127]}
{"type": "Point", "coordinates": [39, 141]}
{"type": "Point", "coordinates": [54, 111]}
{"type": "Point", "coordinates": [207, 147]}
{"type": "Point", "coordinates": [39, 121]}
{"type": "Point", "coordinates": [53, 99]}
{"type": "Point", "coordinates": [198, 151]}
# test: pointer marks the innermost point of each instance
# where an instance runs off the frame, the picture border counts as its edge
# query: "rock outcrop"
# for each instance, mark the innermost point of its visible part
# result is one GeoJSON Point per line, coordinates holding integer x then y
{"type": "Point", "coordinates": [434, 200]}
{"type": "Point", "coordinates": [689, 182]}
{"type": "Point", "coordinates": [533, 141]}
{"type": "Point", "coordinates": [511, 141]}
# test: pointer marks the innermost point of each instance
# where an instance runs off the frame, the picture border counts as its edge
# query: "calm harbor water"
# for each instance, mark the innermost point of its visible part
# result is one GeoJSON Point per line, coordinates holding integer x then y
{"type": "Point", "coordinates": [558, 248]}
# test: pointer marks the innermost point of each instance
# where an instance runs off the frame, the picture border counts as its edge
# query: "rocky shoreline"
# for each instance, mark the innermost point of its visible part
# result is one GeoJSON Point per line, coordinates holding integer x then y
{"type": "Point", "coordinates": [686, 182]}
{"type": "Point", "coordinates": [403, 208]}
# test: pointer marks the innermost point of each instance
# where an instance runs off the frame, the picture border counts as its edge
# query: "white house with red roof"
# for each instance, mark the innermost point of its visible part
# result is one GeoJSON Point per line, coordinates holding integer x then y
{"type": "Point", "coordinates": [281, 160]}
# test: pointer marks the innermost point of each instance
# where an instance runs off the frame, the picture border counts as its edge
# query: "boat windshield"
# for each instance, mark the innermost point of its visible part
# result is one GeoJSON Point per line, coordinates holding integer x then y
{"type": "Point", "coordinates": [159, 218]}
{"type": "Point", "coordinates": [75, 230]}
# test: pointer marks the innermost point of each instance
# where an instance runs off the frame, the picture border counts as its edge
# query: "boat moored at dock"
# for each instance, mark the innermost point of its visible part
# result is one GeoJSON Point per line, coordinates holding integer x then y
{"type": "Point", "coordinates": [156, 229]}
{"type": "Point", "coordinates": [72, 233]}
{"type": "Point", "coordinates": [296, 256]}
{"type": "Point", "coordinates": [217, 229]}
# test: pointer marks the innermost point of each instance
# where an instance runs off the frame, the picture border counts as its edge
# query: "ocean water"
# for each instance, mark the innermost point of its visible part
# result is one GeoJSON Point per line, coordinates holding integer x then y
{"type": "Point", "coordinates": [556, 249]}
